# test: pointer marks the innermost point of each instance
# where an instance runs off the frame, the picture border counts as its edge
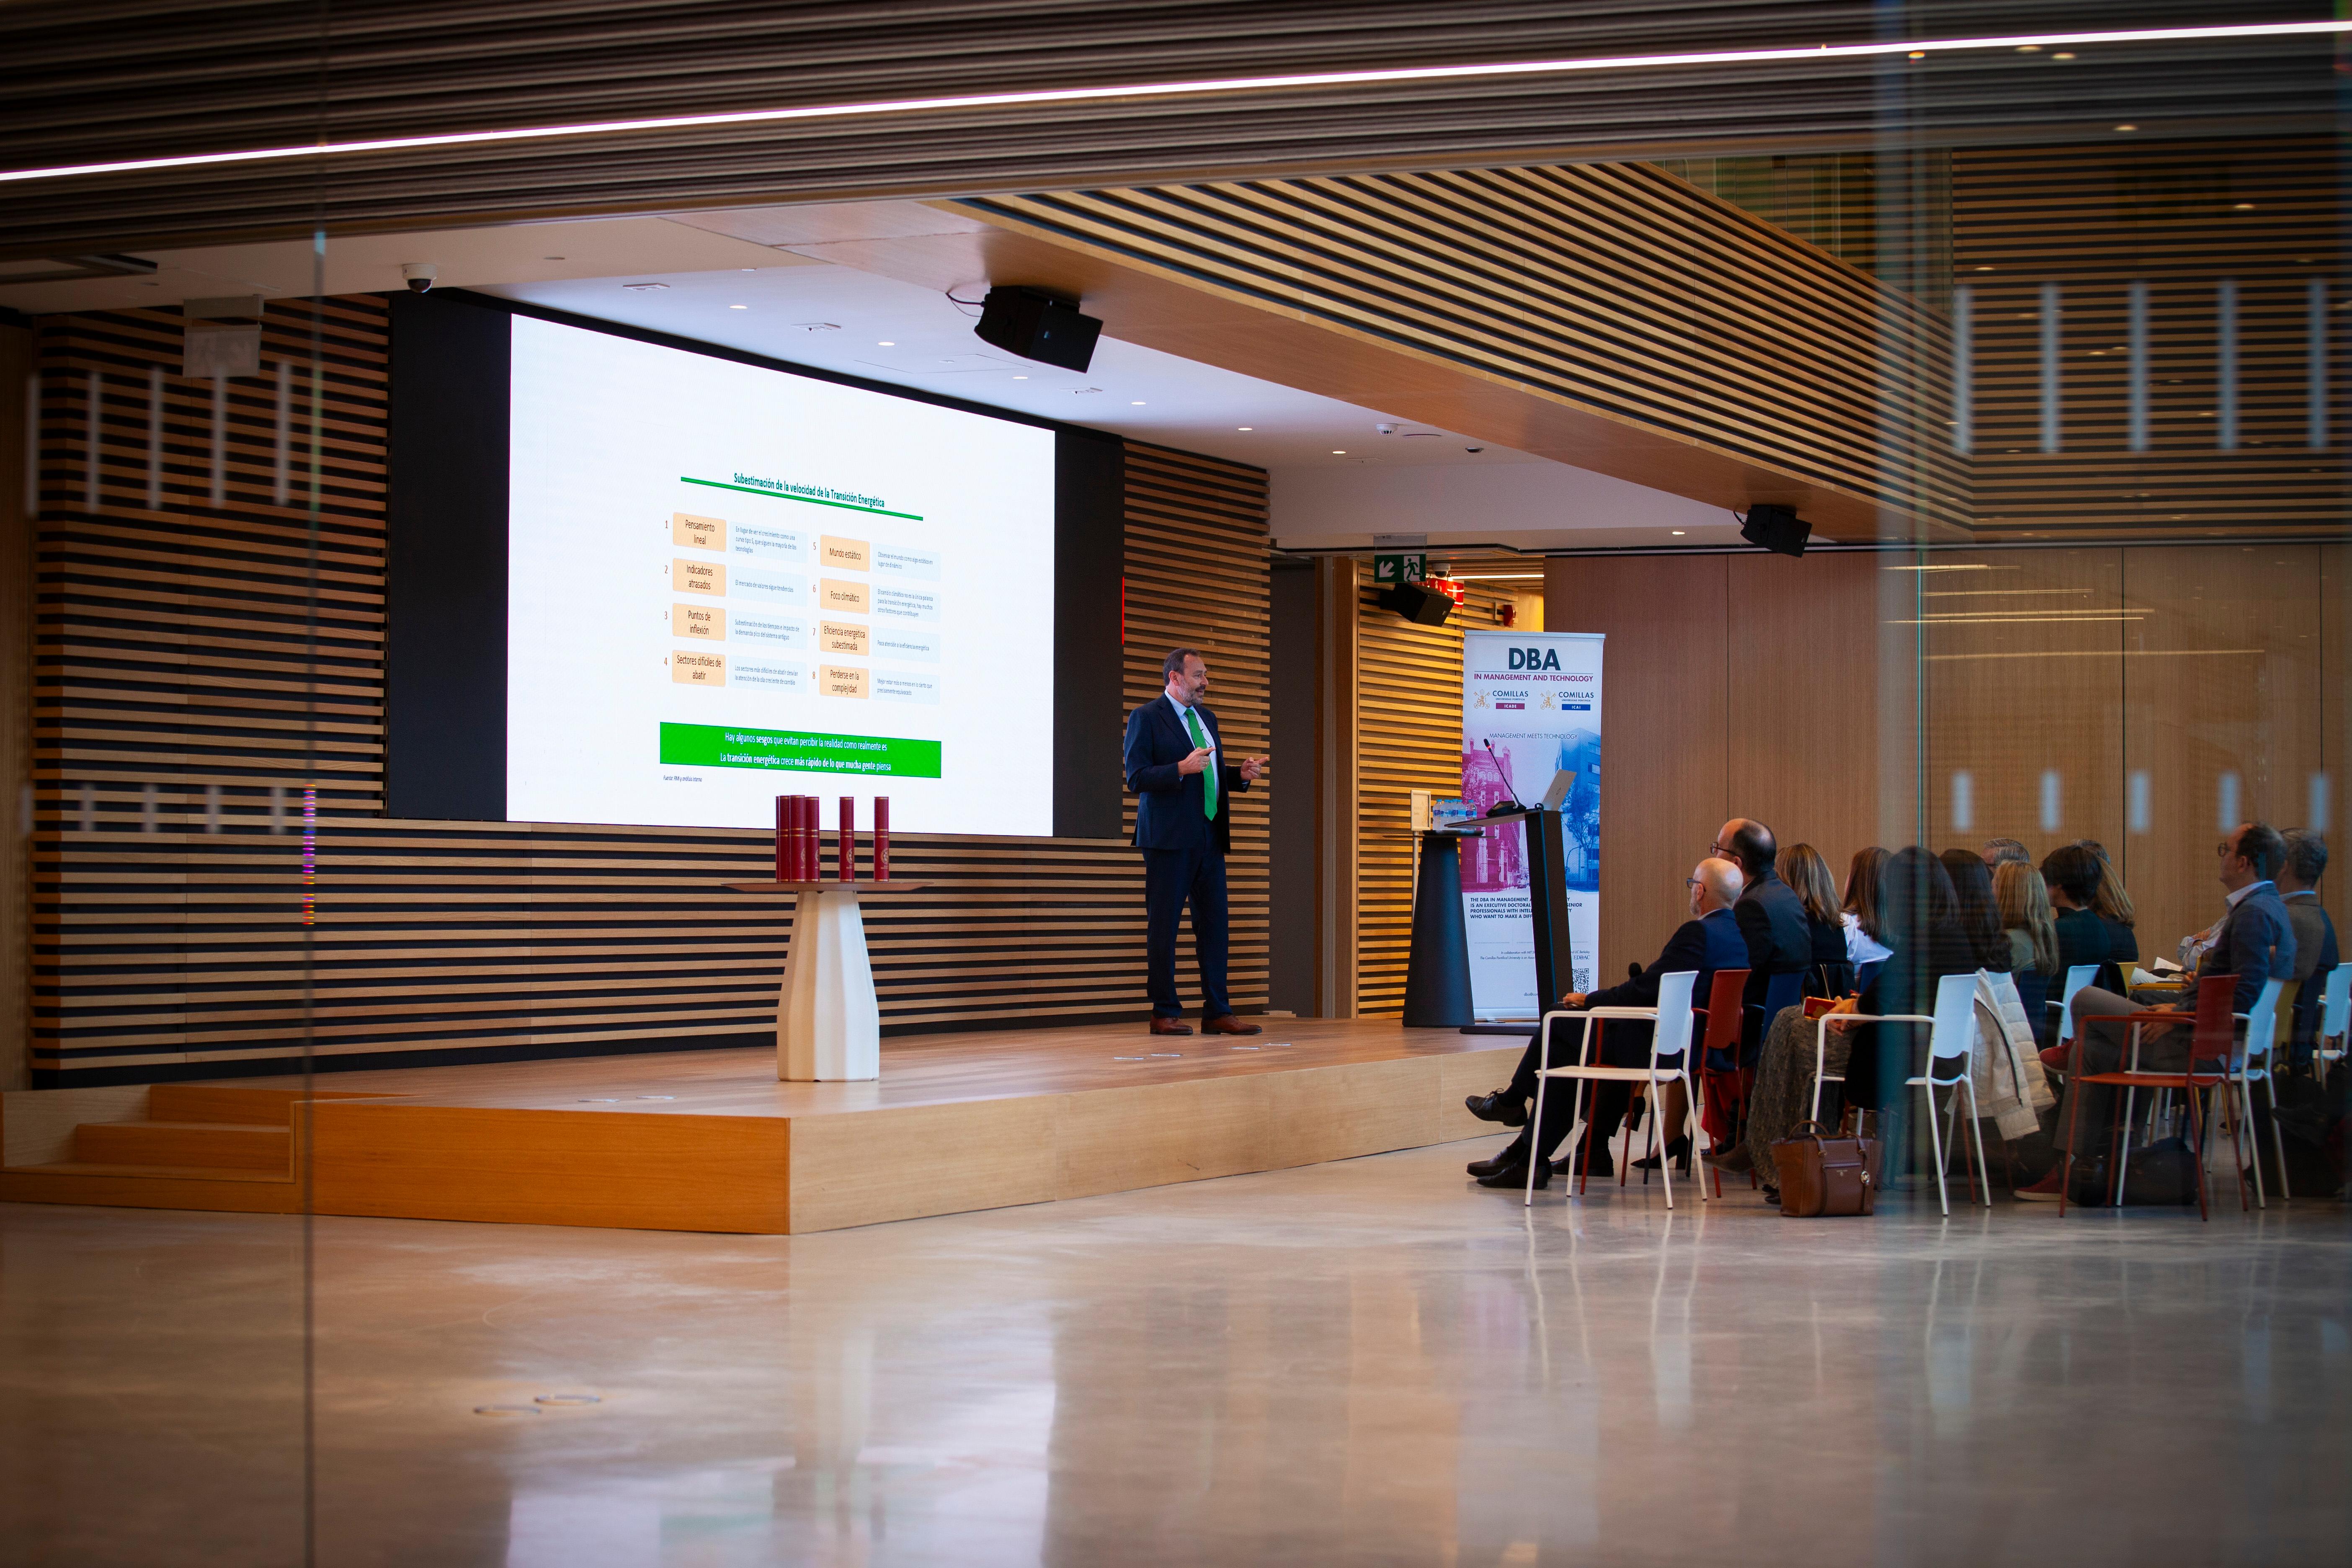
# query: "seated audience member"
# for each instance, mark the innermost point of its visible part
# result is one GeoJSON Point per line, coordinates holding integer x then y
{"type": "Point", "coordinates": [1831, 972]}
{"type": "Point", "coordinates": [1866, 947]}
{"type": "Point", "coordinates": [1980, 912]}
{"type": "Point", "coordinates": [2256, 944]}
{"type": "Point", "coordinates": [2113, 908]}
{"type": "Point", "coordinates": [2024, 907]}
{"type": "Point", "coordinates": [2072, 875]}
{"type": "Point", "coordinates": [1708, 941]}
{"type": "Point", "coordinates": [1771, 919]}
{"type": "Point", "coordinates": [2315, 933]}
{"type": "Point", "coordinates": [1997, 851]}
{"type": "Point", "coordinates": [1926, 940]}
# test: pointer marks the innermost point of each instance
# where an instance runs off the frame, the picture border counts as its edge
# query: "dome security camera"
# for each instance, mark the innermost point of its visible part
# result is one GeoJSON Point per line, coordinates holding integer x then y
{"type": "Point", "coordinates": [420, 275]}
{"type": "Point", "coordinates": [1474, 448]}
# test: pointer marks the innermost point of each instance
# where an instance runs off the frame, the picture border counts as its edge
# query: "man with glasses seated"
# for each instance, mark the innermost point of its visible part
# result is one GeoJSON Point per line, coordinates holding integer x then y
{"type": "Point", "coordinates": [2255, 943]}
{"type": "Point", "coordinates": [1710, 940]}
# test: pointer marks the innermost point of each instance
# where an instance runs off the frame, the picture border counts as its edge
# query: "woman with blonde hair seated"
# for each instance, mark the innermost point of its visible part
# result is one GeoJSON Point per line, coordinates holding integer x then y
{"type": "Point", "coordinates": [2026, 918]}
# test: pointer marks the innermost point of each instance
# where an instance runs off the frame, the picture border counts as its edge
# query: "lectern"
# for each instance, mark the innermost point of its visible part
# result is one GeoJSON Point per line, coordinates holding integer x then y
{"type": "Point", "coordinates": [1437, 967]}
{"type": "Point", "coordinates": [1547, 900]}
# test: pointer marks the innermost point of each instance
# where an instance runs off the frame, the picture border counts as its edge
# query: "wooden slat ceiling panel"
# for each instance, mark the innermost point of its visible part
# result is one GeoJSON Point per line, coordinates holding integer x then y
{"type": "Point", "coordinates": [2267, 215]}
{"type": "Point", "coordinates": [1618, 288]}
{"type": "Point", "coordinates": [181, 650]}
{"type": "Point", "coordinates": [131, 78]}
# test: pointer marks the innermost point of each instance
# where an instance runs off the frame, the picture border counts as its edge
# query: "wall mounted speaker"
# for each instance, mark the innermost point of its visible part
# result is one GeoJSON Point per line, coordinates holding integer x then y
{"type": "Point", "coordinates": [1422, 606]}
{"type": "Point", "coordinates": [1777, 528]}
{"type": "Point", "coordinates": [1037, 325]}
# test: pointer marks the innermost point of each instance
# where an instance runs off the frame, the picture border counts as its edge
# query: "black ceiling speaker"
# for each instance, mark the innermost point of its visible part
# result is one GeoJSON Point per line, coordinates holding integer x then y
{"type": "Point", "coordinates": [1422, 606]}
{"type": "Point", "coordinates": [1777, 528]}
{"type": "Point", "coordinates": [1040, 326]}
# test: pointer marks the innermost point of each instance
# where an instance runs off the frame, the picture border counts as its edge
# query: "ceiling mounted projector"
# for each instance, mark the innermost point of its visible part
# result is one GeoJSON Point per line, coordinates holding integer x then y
{"type": "Point", "coordinates": [1037, 325]}
{"type": "Point", "coordinates": [1777, 528]}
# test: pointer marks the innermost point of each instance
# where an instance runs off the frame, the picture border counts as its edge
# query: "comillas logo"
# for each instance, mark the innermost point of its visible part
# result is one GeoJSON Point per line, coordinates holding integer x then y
{"type": "Point", "coordinates": [1535, 658]}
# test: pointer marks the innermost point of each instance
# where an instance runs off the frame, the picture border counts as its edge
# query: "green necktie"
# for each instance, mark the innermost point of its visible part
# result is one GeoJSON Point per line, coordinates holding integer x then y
{"type": "Point", "coordinates": [1209, 773]}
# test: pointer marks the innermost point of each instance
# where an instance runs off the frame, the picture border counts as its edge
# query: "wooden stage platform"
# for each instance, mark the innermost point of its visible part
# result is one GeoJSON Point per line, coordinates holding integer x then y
{"type": "Point", "coordinates": [709, 1141]}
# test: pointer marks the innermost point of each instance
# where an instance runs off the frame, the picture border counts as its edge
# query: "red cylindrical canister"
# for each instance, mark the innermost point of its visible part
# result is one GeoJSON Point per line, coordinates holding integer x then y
{"type": "Point", "coordinates": [812, 840]}
{"type": "Point", "coordinates": [784, 839]}
{"type": "Point", "coordinates": [881, 837]}
{"type": "Point", "coordinates": [848, 836]}
{"type": "Point", "coordinates": [804, 840]}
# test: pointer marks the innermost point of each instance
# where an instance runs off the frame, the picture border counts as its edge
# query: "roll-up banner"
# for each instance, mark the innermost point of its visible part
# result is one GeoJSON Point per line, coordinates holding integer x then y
{"type": "Point", "coordinates": [1530, 711]}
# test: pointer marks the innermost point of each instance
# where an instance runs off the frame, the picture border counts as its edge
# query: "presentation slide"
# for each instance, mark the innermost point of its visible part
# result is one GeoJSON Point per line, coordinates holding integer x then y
{"type": "Point", "coordinates": [728, 584]}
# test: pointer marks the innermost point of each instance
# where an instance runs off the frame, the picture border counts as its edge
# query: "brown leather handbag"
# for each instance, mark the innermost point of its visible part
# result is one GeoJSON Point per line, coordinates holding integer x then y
{"type": "Point", "coordinates": [1821, 1175]}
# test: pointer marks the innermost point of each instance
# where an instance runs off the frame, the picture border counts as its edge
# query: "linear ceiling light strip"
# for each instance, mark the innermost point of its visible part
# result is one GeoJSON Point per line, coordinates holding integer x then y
{"type": "Point", "coordinates": [1908, 47]}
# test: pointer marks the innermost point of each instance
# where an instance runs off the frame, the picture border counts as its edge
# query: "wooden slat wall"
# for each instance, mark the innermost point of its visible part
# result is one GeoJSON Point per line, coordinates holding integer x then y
{"type": "Point", "coordinates": [1408, 737]}
{"type": "Point", "coordinates": [1617, 288]}
{"type": "Point", "coordinates": [172, 656]}
{"type": "Point", "coordinates": [16, 709]}
{"type": "Point", "coordinates": [2182, 218]}
{"type": "Point", "coordinates": [1197, 577]}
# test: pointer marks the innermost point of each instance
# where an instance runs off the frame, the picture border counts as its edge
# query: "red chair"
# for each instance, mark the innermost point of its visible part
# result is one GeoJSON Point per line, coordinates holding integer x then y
{"type": "Point", "coordinates": [2213, 1042]}
{"type": "Point", "coordinates": [1718, 1112]}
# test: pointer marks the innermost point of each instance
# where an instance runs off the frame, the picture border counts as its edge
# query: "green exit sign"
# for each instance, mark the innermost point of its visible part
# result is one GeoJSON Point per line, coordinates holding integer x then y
{"type": "Point", "coordinates": [1394, 568]}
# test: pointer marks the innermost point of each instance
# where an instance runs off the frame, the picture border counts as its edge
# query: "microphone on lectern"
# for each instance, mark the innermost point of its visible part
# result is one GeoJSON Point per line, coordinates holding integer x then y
{"type": "Point", "coordinates": [1497, 808]}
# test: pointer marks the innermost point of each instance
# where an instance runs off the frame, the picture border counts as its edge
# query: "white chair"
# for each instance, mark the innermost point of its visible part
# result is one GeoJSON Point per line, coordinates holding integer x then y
{"type": "Point", "coordinates": [2082, 974]}
{"type": "Point", "coordinates": [1821, 1047]}
{"type": "Point", "coordinates": [2252, 1066]}
{"type": "Point", "coordinates": [2335, 1013]}
{"type": "Point", "coordinates": [1953, 1039]}
{"type": "Point", "coordinates": [1670, 1036]}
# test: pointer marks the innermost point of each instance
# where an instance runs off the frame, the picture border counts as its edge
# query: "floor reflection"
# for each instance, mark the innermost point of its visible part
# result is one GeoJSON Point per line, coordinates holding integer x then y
{"type": "Point", "coordinates": [1369, 1363]}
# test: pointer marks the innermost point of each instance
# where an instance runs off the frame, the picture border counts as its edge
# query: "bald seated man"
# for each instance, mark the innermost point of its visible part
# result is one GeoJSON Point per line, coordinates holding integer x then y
{"type": "Point", "coordinates": [1710, 940]}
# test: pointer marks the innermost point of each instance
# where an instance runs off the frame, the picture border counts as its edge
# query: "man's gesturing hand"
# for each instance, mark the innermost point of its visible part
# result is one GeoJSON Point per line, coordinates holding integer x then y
{"type": "Point", "coordinates": [1195, 762]}
{"type": "Point", "coordinates": [1252, 768]}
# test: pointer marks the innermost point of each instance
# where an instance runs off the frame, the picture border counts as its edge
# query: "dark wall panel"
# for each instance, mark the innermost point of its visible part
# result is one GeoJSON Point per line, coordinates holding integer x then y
{"type": "Point", "coordinates": [1290, 860]}
{"type": "Point", "coordinates": [1090, 550]}
{"type": "Point", "coordinates": [445, 630]}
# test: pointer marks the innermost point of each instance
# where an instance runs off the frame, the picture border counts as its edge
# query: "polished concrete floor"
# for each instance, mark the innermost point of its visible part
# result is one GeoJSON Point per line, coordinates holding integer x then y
{"type": "Point", "coordinates": [1370, 1362]}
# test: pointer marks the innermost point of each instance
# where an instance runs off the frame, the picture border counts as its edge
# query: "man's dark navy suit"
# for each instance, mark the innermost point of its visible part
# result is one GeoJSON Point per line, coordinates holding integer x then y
{"type": "Point", "coordinates": [1183, 851]}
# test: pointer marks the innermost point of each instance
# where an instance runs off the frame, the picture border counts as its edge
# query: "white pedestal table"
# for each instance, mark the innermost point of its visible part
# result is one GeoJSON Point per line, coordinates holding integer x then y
{"type": "Point", "coordinates": [828, 1025]}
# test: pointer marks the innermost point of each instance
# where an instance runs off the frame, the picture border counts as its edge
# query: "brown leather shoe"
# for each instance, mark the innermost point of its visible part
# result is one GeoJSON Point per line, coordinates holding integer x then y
{"type": "Point", "coordinates": [1170, 1026]}
{"type": "Point", "coordinates": [1226, 1024]}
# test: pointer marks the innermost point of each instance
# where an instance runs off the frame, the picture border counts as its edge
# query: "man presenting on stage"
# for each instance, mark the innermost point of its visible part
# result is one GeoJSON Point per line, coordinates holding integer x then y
{"type": "Point", "coordinates": [1183, 786]}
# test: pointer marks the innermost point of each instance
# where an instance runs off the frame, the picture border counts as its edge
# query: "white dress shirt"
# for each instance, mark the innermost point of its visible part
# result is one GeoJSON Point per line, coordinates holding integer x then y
{"type": "Point", "coordinates": [1207, 734]}
{"type": "Point", "coordinates": [1861, 947]}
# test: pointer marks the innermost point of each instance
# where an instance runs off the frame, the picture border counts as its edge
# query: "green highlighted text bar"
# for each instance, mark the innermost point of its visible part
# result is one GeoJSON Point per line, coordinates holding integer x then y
{"type": "Point", "coordinates": [788, 495]}
{"type": "Point", "coordinates": [798, 750]}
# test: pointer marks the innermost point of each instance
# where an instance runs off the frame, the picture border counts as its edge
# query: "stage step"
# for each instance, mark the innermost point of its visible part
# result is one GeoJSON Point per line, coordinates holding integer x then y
{"type": "Point", "coordinates": [183, 1146]}
{"type": "Point", "coordinates": [193, 1102]}
{"type": "Point", "coordinates": [146, 1173]}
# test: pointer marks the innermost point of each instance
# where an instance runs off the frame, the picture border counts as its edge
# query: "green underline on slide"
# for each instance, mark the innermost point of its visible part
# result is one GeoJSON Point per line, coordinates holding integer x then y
{"type": "Point", "coordinates": [786, 495]}
{"type": "Point", "coordinates": [798, 750]}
